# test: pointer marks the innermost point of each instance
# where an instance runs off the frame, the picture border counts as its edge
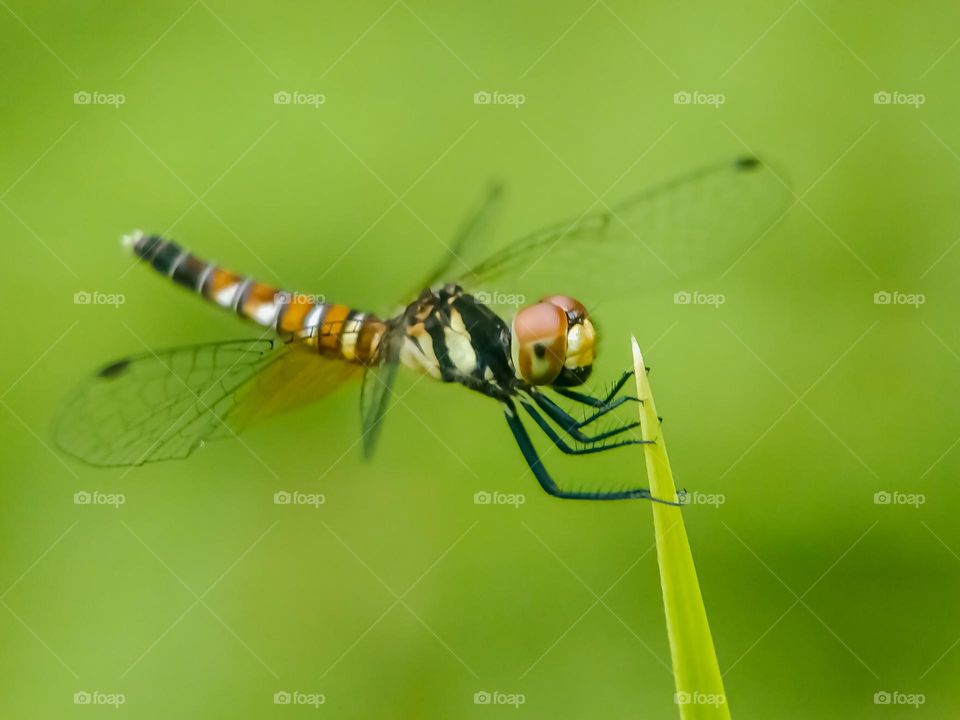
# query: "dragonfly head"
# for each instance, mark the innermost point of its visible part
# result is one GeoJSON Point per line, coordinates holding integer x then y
{"type": "Point", "coordinates": [554, 342]}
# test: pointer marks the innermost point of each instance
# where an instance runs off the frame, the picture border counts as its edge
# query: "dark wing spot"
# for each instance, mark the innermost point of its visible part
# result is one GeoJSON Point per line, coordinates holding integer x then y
{"type": "Point", "coordinates": [114, 369]}
{"type": "Point", "coordinates": [540, 350]}
{"type": "Point", "coordinates": [747, 163]}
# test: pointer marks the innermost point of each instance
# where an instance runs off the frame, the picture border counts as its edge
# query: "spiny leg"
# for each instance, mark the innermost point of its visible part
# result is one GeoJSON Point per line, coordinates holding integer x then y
{"type": "Point", "coordinates": [571, 425]}
{"type": "Point", "coordinates": [602, 410]}
{"type": "Point", "coordinates": [547, 483]}
{"type": "Point", "coordinates": [603, 405]}
{"type": "Point", "coordinates": [591, 446]}
{"type": "Point", "coordinates": [597, 402]}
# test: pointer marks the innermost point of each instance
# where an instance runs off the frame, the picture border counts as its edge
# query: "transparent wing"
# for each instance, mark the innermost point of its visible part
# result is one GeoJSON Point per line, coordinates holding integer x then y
{"type": "Point", "coordinates": [378, 379]}
{"type": "Point", "coordinates": [298, 377]}
{"type": "Point", "coordinates": [377, 389]}
{"type": "Point", "coordinates": [163, 405]}
{"type": "Point", "coordinates": [470, 236]}
{"type": "Point", "coordinates": [668, 234]}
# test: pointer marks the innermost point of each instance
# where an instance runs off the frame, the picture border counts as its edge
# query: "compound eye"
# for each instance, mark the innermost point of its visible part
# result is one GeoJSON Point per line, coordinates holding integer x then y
{"type": "Point", "coordinates": [573, 307]}
{"type": "Point", "coordinates": [540, 336]}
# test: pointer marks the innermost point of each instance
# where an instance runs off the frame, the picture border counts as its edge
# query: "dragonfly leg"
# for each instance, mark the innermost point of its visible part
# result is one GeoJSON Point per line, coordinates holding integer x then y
{"type": "Point", "coordinates": [607, 408]}
{"type": "Point", "coordinates": [591, 445]}
{"type": "Point", "coordinates": [572, 426]}
{"type": "Point", "coordinates": [597, 402]}
{"type": "Point", "coordinates": [603, 405]}
{"type": "Point", "coordinates": [548, 484]}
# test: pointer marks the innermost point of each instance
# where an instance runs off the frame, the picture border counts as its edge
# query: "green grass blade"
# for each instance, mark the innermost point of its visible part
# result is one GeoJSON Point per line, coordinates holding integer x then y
{"type": "Point", "coordinates": [696, 672]}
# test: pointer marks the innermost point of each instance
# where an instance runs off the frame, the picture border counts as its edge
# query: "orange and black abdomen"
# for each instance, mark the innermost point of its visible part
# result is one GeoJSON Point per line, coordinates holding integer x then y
{"type": "Point", "coordinates": [334, 330]}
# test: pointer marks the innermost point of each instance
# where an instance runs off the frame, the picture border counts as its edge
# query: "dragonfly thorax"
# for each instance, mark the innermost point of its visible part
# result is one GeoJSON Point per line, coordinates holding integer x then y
{"type": "Point", "coordinates": [453, 337]}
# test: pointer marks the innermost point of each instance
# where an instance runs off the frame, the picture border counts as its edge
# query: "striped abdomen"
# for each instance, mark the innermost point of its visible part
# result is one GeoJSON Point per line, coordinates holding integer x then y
{"type": "Point", "coordinates": [334, 330]}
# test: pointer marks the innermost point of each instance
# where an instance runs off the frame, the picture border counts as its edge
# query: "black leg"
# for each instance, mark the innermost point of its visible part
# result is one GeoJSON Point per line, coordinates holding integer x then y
{"type": "Point", "coordinates": [591, 446]}
{"type": "Point", "coordinates": [595, 401]}
{"type": "Point", "coordinates": [602, 410]}
{"type": "Point", "coordinates": [603, 404]}
{"type": "Point", "coordinates": [571, 425]}
{"type": "Point", "coordinates": [547, 483]}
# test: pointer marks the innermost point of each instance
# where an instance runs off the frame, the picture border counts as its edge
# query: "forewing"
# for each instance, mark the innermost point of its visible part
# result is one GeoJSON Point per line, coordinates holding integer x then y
{"type": "Point", "coordinates": [163, 405]}
{"type": "Point", "coordinates": [460, 255]}
{"type": "Point", "coordinates": [675, 232]}
{"type": "Point", "coordinates": [378, 388]}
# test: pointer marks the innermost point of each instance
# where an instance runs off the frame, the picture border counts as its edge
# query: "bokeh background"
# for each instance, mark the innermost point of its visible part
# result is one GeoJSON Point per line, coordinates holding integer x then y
{"type": "Point", "coordinates": [798, 400]}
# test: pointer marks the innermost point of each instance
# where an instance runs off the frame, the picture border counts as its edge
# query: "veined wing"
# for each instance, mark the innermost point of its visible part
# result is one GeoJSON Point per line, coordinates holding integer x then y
{"type": "Point", "coordinates": [377, 389]}
{"type": "Point", "coordinates": [163, 405]}
{"type": "Point", "coordinates": [470, 236]}
{"type": "Point", "coordinates": [666, 235]}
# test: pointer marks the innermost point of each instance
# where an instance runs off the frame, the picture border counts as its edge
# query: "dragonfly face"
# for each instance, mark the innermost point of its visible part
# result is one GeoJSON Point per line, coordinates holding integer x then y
{"type": "Point", "coordinates": [163, 405]}
{"type": "Point", "coordinates": [554, 342]}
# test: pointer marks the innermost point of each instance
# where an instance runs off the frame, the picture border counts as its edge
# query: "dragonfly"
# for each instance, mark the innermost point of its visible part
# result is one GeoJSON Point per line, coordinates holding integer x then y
{"type": "Point", "coordinates": [164, 405]}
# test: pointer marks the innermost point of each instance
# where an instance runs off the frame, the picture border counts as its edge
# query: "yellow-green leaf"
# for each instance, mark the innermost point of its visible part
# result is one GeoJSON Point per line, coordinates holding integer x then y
{"type": "Point", "coordinates": [699, 686]}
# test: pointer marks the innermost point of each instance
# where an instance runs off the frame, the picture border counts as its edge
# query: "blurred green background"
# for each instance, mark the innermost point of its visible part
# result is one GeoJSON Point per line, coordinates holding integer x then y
{"type": "Point", "coordinates": [798, 400]}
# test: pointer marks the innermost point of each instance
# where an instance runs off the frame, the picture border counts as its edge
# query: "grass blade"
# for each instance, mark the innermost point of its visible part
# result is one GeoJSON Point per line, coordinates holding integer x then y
{"type": "Point", "coordinates": [695, 669]}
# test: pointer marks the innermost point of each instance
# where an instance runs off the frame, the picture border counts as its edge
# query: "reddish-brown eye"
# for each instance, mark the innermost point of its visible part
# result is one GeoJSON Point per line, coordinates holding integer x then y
{"type": "Point", "coordinates": [540, 338]}
{"type": "Point", "coordinates": [567, 304]}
